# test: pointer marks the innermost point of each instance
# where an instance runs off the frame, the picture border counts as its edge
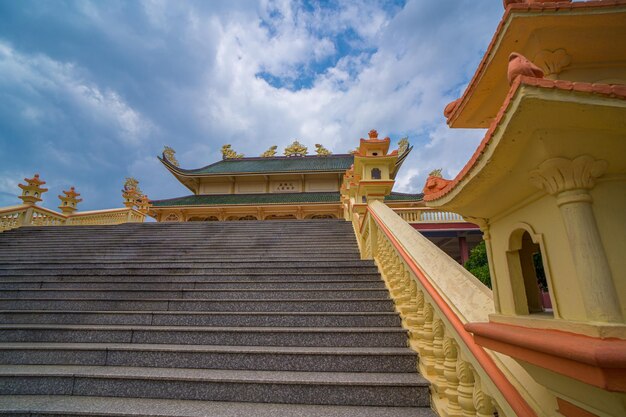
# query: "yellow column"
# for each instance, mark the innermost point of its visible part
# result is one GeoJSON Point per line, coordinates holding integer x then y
{"type": "Point", "coordinates": [570, 181]}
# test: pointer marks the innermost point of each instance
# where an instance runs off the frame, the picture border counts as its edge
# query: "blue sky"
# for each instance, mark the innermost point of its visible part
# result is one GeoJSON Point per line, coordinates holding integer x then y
{"type": "Point", "coordinates": [91, 91]}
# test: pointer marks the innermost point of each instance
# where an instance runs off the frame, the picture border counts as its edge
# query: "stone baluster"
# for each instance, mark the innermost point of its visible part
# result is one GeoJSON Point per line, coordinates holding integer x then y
{"type": "Point", "coordinates": [482, 402]}
{"type": "Point", "coordinates": [439, 384]}
{"type": "Point", "coordinates": [427, 360]}
{"type": "Point", "coordinates": [450, 351]}
{"type": "Point", "coordinates": [465, 390]}
{"type": "Point", "coordinates": [418, 322]}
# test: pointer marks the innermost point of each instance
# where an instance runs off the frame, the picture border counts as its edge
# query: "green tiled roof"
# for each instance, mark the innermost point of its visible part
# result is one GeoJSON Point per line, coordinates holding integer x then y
{"type": "Point", "coordinates": [275, 198]}
{"type": "Point", "coordinates": [404, 197]}
{"type": "Point", "coordinates": [333, 163]}
{"type": "Point", "coordinates": [228, 199]}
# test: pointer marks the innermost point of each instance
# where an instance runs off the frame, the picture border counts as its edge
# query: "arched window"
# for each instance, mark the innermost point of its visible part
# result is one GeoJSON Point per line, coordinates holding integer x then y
{"type": "Point", "coordinates": [376, 174]}
{"type": "Point", "coordinates": [528, 275]}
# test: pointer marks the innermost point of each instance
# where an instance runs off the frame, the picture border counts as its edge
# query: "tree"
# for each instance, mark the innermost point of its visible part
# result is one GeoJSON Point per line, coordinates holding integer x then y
{"type": "Point", "coordinates": [478, 264]}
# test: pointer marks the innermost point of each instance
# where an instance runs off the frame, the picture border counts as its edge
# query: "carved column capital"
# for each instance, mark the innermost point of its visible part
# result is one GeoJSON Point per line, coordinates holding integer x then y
{"type": "Point", "coordinates": [557, 175]}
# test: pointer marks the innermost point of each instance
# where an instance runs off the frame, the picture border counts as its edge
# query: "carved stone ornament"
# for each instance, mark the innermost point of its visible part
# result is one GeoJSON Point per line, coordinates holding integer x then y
{"type": "Point", "coordinates": [561, 174]}
{"type": "Point", "coordinates": [229, 153]}
{"type": "Point", "coordinates": [520, 65]}
{"type": "Point", "coordinates": [168, 153]}
{"type": "Point", "coordinates": [403, 146]}
{"type": "Point", "coordinates": [552, 62]}
{"type": "Point", "coordinates": [321, 150]}
{"type": "Point", "coordinates": [270, 152]}
{"type": "Point", "coordinates": [435, 182]}
{"type": "Point", "coordinates": [296, 149]}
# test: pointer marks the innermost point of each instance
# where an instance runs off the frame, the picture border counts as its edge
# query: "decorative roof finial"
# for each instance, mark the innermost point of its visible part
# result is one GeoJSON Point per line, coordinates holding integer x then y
{"type": "Point", "coordinates": [168, 153]}
{"type": "Point", "coordinates": [373, 134]}
{"type": "Point", "coordinates": [270, 152]}
{"type": "Point", "coordinates": [32, 191]}
{"type": "Point", "coordinates": [229, 153]}
{"type": "Point", "coordinates": [69, 201]}
{"type": "Point", "coordinates": [144, 204]}
{"type": "Point", "coordinates": [321, 150]}
{"type": "Point", "coordinates": [296, 149]}
{"type": "Point", "coordinates": [435, 182]}
{"type": "Point", "coordinates": [403, 145]}
{"type": "Point", "coordinates": [520, 65]}
{"type": "Point", "coordinates": [131, 192]}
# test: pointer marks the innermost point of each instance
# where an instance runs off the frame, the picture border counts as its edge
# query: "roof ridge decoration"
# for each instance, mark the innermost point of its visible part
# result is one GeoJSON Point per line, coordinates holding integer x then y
{"type": "Point", "coordinates": [229, 153]}
{"type": "Point", "coordinates": [296, 149]}
{"type": "Point", "coordinates": [321, 150]}
{"type": "Point", "coordinates": [168, 153]}
{"type": "Point", "coordinates": [270, 152]}
{"type": "Point", "coordinates": [403, 145]}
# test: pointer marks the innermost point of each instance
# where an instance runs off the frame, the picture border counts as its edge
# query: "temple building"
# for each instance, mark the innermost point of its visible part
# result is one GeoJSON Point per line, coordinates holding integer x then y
{"type": "Point", "coordinates": [269, 187]}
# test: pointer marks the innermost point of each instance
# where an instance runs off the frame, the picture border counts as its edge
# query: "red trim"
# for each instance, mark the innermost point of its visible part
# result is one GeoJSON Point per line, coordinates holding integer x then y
{"type": "Point", "coordinates": [594, 361]}
{"type": "Point", "coordinates": [570, 410]}
{"type": "Point", "coordinates": [445, 226]}
{"type": "Point", "coordinates": [511, 395]}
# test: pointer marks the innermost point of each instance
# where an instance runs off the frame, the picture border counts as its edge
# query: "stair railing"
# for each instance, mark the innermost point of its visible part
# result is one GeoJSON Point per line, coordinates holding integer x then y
{"type": "Point", "coordinates": [32, 215]}
{"type": "Point", "coordinates": [435, 297]}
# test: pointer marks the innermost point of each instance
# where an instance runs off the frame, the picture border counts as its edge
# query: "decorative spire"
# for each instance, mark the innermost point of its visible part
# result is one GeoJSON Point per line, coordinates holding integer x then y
{"type": "Point", "coordinates": [403, 145]}
{"type": "Point", "coordinates": [270, 152]}
{"type": "Point", "coordinates": [296, 149]}
{"type": "Point", "coordinates": [69, 201]}
{"type": "Point", "coordinates": [168, 153]}
{"type": "Point", "coordinates": [144, 204]}
{"type": "Point", "coordinates": [435, 182]}
{"type": "Point", "coordinates": [373, 134]}
{"type": "Point", "coordinates": [322, 151]}
{"type": "Point", "coordinates": [435, 173]}
{"type": "Point", "coordinates": [229, 153]}
{"type": "Point", "coordinates": [32, 191]}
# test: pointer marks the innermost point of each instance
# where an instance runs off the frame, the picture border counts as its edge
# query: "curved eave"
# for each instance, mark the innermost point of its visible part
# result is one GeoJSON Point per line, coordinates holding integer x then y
{"type": "Point", "coordinates": [400, 161]}
{"type": "Point", "coordinates": [179, 174]}
{"type": "Point", "coordinates": [515, 33]}
{"type": "Point", "coordinates": [507, 153]}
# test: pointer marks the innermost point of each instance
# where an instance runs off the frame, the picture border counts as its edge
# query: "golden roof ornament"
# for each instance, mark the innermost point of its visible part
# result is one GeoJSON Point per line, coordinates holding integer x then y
{"type": "Point", "coordinates": [403, 145]}
{"type": "Point", "coordinates": [296, 149]}
{"type": "Point", "coordinates": [132, 183]}
{"type": "Point", "coordinates": [270, 152]}
{"type": "Point", "coordinates": [144, 204]}
{"type": "Point", "coordinates": [168, 153]}
{"type": "Point", "coordinates": [229, 153]}
{"type": "Point", "coordinates": [69, 201]}
{"type": "Point", "coordinates": [32, 191]}
{"type": "Point", "coordinates": [321, 150]}
{"type": "Point", "coordinates": [435, 173]}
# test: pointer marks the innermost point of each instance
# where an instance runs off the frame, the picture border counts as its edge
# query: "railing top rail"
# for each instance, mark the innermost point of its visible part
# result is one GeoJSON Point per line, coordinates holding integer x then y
{"type": "Point", "coordinates": [11, 209]}
{"type": "Point", "coordinates": [47, 211]}
{"type": "Point", "coordinates": [508, 391]}
{"type": "Point", "coordinates": [105, 211]}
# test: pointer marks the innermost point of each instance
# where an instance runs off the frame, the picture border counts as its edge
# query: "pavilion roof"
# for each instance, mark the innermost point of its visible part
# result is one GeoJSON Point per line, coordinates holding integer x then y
{"type": "Point", "coordinates": [277, 164]}
{"type": "Point", "coordinates": [267, 198]}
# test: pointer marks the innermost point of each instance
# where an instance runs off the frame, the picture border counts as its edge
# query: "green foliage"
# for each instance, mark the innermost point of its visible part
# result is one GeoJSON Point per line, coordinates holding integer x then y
{"type": "Point", "coordinates": [478, 264]}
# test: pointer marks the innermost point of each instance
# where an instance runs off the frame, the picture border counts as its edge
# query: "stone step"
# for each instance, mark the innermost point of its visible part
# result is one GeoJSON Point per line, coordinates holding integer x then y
{"type": "Point", "coordinates": [316, 388]}
{"type": "Point", "coordinates": [189, 264]}
{"type": "Point", "coordinates": [181, 271]}
{"type": "Point", "coordinates": [25, 259]}
{"type": "Point", "coordinates": [233, 276]}
{"type": "Point", "coordinates": [231, 336]}
{"type": "Point", "coordinates": [260, 358]}
{"type": "Point", "coordinates": [85, 406]}
{"type": "Point", "coordinates": [195, 294]}
{"type": "Point", "coordinates": [193, 284]}
{"type": "Point", "coordinates": [193, 318]}
{"type": "Point", "coordinates": [208, 305]}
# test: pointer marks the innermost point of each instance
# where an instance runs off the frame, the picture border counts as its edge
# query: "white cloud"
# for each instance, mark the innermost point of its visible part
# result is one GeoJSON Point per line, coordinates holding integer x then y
{"type": "Point", "coordinates": [50, 85]}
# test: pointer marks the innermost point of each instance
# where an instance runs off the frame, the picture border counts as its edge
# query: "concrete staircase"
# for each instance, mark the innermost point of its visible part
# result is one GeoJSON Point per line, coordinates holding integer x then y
{"type": "Point", "coordinates": [200, 319]}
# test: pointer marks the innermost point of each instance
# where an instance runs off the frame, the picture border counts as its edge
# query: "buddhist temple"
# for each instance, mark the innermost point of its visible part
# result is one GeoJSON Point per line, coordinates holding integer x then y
{"type": "Point", "coordinates": [303, 285]}
{"type": "Point", "coordinates": [269, 187]}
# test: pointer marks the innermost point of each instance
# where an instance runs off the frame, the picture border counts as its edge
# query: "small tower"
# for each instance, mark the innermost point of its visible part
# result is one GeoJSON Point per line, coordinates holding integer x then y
{"type": "Point", "coordinates": [69, 201]}
{"type": "Point", "coordinates": [130, 197]}
{"type": "Point", "coordinates": [143, 204]}
{"type": "Point", "coordinates": [32, 191]}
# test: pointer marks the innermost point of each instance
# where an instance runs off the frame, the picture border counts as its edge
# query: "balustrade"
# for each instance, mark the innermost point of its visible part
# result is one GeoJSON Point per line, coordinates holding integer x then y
{"type": "Point", "coordinates": [427, 215]}
{"type": "Point", "coordinates": [466, 380]}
